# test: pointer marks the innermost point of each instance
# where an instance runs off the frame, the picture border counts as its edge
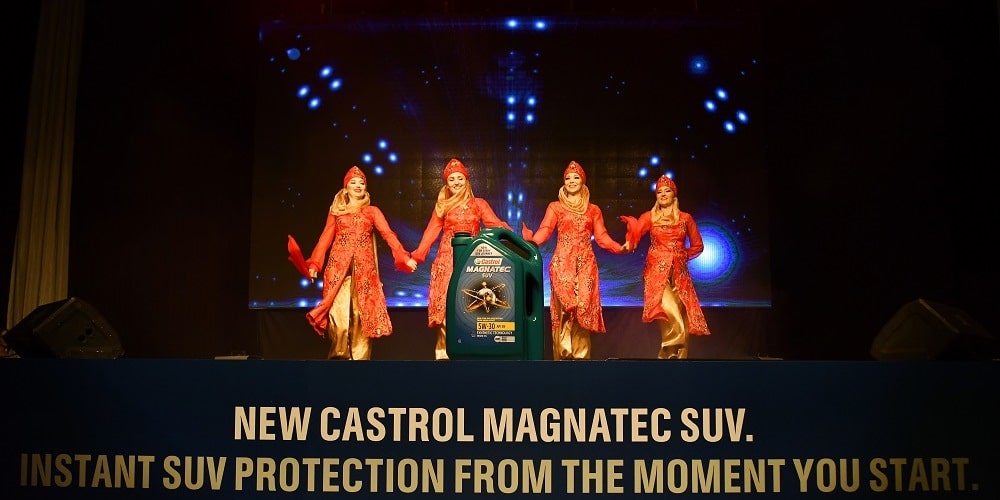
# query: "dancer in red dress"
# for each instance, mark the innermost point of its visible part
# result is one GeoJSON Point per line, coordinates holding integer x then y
{"type": "Point", "coordinates": [575, 306]}
{"type": "Point", "coordinates": [457, 210]}
{"type": "Point", "coordinates": [353, 308]}
{"type": "Point", "coordinates": [669, 298]}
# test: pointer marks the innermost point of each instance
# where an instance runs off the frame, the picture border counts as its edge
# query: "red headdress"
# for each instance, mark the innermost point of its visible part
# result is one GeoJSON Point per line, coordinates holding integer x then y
{"type": "Point", "coordinates": [352, 173]}
{"type": "Point", "coordinates": [454, 166]}
{"type": "Point", "coordinates": [575, 167]}
{"type": "Point", "coordinates": [666, 181]}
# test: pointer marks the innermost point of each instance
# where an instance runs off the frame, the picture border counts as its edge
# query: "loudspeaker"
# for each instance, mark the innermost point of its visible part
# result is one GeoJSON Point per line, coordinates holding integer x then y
{"type": "Point", "coordinates": [68, 328]}
{"type": "Point", "coordinates": [925, 330]}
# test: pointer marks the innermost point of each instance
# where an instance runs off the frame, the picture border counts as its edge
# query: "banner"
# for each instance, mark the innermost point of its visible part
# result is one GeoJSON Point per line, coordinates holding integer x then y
{"type": "Point", "coordinates": [131, 428]}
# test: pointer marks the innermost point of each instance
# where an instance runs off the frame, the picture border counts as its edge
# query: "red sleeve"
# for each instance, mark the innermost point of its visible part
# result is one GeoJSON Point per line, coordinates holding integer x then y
{"type": "Point", "coordinates": [644, 225]}
{"type": "Point", "coordinates": [527, 233]}
{"type": "Point", "coordinates": [488, 217]}
{"type": "Point", "coordinates": [296, 258]}
{"type": "Point", "coordinates": [546, 228]}
{"type": "Point", "coordinates": [694, 237]}
{"type": "Point", "coordinates": [399, 254]}
{"type": "Point", "coordinates": [430, 235]}
{"type": "Point", "coordinates": [635, 228]}
{"type": "Point", "coordinates": [315, 261]}
{"type": "Point", "coordinates": [601, 235]}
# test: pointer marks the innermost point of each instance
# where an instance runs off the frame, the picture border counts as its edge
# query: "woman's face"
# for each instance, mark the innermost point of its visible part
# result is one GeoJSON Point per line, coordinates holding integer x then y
{"type": "Point", "coordinates": [456, 183]}
{"type": "Point", "coordinates": [664, 196]}
{"type": "Point", "coordinates": [573, 182]}
{"type": "Point", "coordinates": [356, 188]}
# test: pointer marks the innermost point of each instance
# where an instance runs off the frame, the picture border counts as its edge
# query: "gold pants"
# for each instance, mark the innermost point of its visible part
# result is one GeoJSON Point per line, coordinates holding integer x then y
{"type": "Point", "coordinates": [441, 344]}
{"type": "Point", "coordinates": [570, 341]}
{"type": "Point", "coordinates": [344, 332]}
{"type": "Point", "coordinates": [673, 331]}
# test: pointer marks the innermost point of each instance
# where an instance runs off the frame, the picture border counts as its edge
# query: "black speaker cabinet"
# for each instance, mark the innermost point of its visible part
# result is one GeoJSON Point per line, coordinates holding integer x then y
{"type": "Point", "coordinates": [69, 328]}
{"type": "Point", "coordinates": [925, 330]}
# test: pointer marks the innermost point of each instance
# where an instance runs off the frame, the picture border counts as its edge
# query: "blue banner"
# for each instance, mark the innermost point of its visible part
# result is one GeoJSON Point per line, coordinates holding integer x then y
{"type": "Point", "coordinates": [129, 428]}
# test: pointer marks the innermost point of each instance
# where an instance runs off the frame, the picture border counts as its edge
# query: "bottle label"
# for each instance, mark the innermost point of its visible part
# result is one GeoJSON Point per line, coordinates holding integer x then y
{"type": "Point", "coordinates": [485, 300]}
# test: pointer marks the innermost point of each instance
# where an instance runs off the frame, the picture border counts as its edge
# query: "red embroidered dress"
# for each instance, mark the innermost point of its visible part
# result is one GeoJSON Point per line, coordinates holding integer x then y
{"type": "Point", "coordinates": [573, 267]}
{"type": "Point", "coordinates": [463, 218]}
{"type": "Point", "coordinates": [350, 241]}
{"type": "Point", "coordinates": [667, 264]}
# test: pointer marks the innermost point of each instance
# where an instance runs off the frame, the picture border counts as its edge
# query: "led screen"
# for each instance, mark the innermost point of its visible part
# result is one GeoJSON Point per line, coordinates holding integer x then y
{"type": "Point", "coordinates": [515, 98]}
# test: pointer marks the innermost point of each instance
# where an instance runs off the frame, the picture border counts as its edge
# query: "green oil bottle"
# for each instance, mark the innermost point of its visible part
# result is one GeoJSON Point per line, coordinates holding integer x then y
{"type": "Point", "coordinates": [495, 297]}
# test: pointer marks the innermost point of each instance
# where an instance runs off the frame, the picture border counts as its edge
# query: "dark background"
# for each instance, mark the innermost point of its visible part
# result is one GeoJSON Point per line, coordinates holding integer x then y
{"type": "Point", "coordinates": [432, 88]}
{"type": "Point", "coordinates": [880, 140]}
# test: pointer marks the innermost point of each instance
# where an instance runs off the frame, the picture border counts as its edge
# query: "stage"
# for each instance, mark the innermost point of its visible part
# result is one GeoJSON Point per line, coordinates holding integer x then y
{"type": "Point", "coordinates": [285, 334]}
{"type": "Point", "coordinates": [195, 428]}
